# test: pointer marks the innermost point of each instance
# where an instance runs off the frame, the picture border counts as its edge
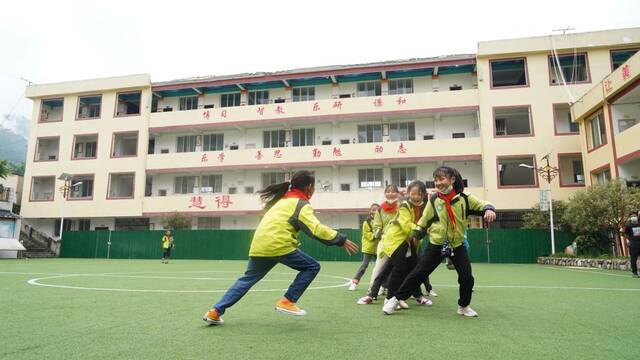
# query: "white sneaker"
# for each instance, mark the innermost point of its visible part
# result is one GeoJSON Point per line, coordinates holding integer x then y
{"type": "Point", "coordinates": [381, 291]}
{"type": "Point", "coordinates": [467, 311]}
{"type": "Point", "coordinates": [353, 285]}
{"type": "Point", "coordinates": [424, 301]}
{"type": "Point", "coordinates": [403, 304]}
{"type": "Point", "coordinates": [390, 306]}
{"type": "Point", "coordinates": [365, 300]}
{"type": "Point", "coordinates": [433, 293]}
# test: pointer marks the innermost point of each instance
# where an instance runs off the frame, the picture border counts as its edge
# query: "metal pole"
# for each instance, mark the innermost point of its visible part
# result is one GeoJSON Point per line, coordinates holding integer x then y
{"type": "Point", "coordinates": [109, 245]}
{"type": "Point", "coordinates": [486, 239]}
{"type": "Point", "coordinates": [553, 238]}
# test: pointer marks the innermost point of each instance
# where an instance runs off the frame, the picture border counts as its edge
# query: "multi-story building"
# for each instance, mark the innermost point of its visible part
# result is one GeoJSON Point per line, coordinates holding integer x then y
{"type": "Point", "coordinates": [138, 150]}
{"type": "Point", "coordinates": [10, 196]}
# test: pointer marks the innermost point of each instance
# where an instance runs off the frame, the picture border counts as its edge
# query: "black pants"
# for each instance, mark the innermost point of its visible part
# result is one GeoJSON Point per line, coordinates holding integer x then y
{"type": "Point", "coordinates": [382, 278]}
{"type": "Point", "coordinates": [429, 262]}
{"type": "Point", "coordinates": [166, 253]}
{"type": "Point", "coordinates": [634, 250]}
{"type": "Point", "coordinates": [401, 267]}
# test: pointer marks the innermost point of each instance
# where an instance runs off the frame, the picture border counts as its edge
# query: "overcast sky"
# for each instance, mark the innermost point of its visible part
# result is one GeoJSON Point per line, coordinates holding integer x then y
{"type": "Point", "coordinates": [53, 41]}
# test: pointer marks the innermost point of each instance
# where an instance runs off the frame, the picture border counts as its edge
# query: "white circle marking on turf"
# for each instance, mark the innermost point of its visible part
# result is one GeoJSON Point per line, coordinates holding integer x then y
{"type": "Point", "coordinates": [37, 282]}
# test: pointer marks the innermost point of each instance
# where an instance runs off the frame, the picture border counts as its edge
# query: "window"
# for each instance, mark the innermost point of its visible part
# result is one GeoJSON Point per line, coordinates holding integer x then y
{"type": "Point", "coordinates": [511, 172]}
{"type": "Point", "coordinates": [232, 190]}
{"type": "Point", "coordinates": [5, 194]}
{"type": "Point", "coordinates": [258, 97]}
{"type": "Point", "coordinates": [249, 190]}
{"type": "Point", "coordinates": [47, 149]}
{"type": "Point", "coordinates": [457, 135]}
{"type": "Point", "coordinates": [67, 226]}
{"type": "Point", "coordinates": [186, 143]}
{"type": "Point", "coordinates": [272, 178]}
{"type": "Point", "coordinates": [400, 86]}
{"type": "Point", "coordinates": [132, 224]}
{"type": "Point", "coordinates": [81, 187]}
{"type": "Point", "coordinates": [402, 131]}
{"type": "Point", "coordinates": [596, 131]}
{"type": "Point", "coordinates": [618, 57]}
{"type": "Point", "coordinates": [125, 144]}
{"type": "Point", "coordinates": [403, 176]}
{"type": "Point", "coordinates": [89, 107]}
{"type": "Point", "coordinates": [211, 183]}
{"type": "Point", "coordinates": [212, 142]}
{"type": "Point", "coordinates": [188, 102]}
{"type": "Point", "coordinates": [370, 133]}
{"type": "Point", "coordinates": [624, 124]}
{"type": "Point", "coordinates": [229, 100]}
{"type": "Point", "coordinates": [51, 110]}
{"type": "Point", "coordinates": [208, 223]}
{"type": "Point", "coordinates": [370, 178]}
{"type": "Point", "coordinates": [571, 173]}
{"type": "Point", "coordinates": [562, 118]}
{"type": "Point", "coordinates": [121, 185]}
{"type": "Point", "coordinates": [85, 146]}
{"type": "Point", "coordinates": [573, 67]}
{"type": "Point", "coordinates": [510, 72]}
{"type": "Point", "coordinates": [42, 188]}
{"type": "Point", "coordinates": [512, 121]}
{"type": "Point", "coordinates": [602, 177]}
{"type": "Point", "coordinates": [128, 104]}
{"type": "Point", "coordinates": [184, 184]}
{"type": "Point", "coordinates": [371, 88]}
{"type": "Point", "coordinates": [273, 138]}
{"type": "Point", "coordinates": [303, 137]}
{"type": "Point", "coordinates": [84, 224]}
{"type": "Point", "coordinates": [304, 94]}
{"type": "Point", "coordinates": [345, 187]}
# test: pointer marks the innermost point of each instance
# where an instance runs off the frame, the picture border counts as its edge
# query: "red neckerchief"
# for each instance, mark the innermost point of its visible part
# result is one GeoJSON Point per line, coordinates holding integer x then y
{"type": "Point", "coordinates": [389, 208]}
{"type": "Point", "coordinates": [447, 202]}
{"type": "Point", "coordinates": [296, 193]}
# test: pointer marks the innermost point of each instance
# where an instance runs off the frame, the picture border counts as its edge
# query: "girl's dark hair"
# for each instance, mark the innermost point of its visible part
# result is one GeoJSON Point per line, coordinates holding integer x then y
{"type": "Point", "coordinates": [419, 184]}
{"type": "Point", "coordinates": [449, 172]}
{"type": "Point", "coordinates": [392, 187]}
{"type": "Point", "coordinates": [374, 204]}
{"type": "Point", "coordinates": [272, 193]}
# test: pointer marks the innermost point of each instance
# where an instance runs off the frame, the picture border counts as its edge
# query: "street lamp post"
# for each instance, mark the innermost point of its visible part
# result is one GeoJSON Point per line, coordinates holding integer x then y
{"type": "Point", "coordinates": [64, 190]}
{"type": "Point", "coordinates": [548, 173]}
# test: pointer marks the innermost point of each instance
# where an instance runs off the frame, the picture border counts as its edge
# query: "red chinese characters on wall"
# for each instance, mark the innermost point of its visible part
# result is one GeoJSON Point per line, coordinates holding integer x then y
{"type": "Point", "coordinates": [337, 151]}
{"type": "Point", "coordinates": [277, 153]}
{"type": "Point", "coordinates": [259, 155]}
{"type": "Point", "coordinates": [279, 109]}
{"type": "Point", "coordinates": [377, 102]}
{"type": "Point", "coordinates": [316, 106]}
{"type": "Point", "coordinates": [260, 110]}
{"type": "Point", "coordinates": [206, 114]}
{"type": "Point", "coordinates": [204, 158]}
{"type": "Point", "coordinates": [223, 201]}
{"type": "Point", "coordinates": [626, 73]}
{"type": "Point", "coordinates": [402, 149]}
{"type": "Point", "coordinates": [337, 105]}
{"type": "Point", "coordinates": [316, 153]}
{"type": "Point", "coordinates": [221, 157]}
{"type": "Point", "coordinates": [379, 149]}
{"type": "Point", "coordinates": [401, 100]}
{"type": "Point", "coordinates": [608, 87]}
{"type": "Point", "coordinates": [223, 114]}
{"type": "Point", "coordinates": [196, 202]}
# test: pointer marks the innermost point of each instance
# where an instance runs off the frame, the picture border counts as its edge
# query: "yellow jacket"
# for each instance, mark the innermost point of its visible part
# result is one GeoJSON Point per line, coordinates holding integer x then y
{"type": "Point", "coordinates": [399, 230]}
{"type": "Point", "coordinates": [166, 241]}
{"type": "Point", "coordinates": [380, 221]}
{"type": "Point", "coordinates": [277, 233]}
{"type": "Point", "coordinates": [368, 242]}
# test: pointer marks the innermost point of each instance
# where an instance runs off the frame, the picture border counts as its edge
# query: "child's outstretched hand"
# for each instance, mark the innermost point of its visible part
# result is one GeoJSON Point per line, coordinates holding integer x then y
{"type": "Point", "coordinates": [350, 247]}
{"type": "Point", "coordinates": [489, 216]}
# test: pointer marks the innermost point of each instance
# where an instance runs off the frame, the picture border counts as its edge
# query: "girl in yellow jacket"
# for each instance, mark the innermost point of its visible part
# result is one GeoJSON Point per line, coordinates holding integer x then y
{"type": "Point", "coordinates": [445, 219]}
{"type": "Point", "coordinates": [369, 244]}
{"type": "Point", "coordinates": [275, 241]}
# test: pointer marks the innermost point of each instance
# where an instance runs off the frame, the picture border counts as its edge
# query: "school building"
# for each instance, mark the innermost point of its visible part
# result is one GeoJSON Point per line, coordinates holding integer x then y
{"type": "Point", "coordinates": [132, 151]}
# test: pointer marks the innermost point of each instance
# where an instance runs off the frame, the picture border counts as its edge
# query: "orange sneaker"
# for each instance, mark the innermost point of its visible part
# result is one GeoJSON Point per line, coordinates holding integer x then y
{"type": "Point", "coordinates": [284, 305]}
{"type": "Point", "coordinates": [212, 318]}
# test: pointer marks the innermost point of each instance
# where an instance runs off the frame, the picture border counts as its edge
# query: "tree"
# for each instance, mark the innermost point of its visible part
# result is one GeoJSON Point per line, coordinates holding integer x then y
{"type": "Point", "coordinates": [538, 219]}
{"type": "Point", "coordinates": [175, 221]}
{"type": "Point", "coordinates": [4, 169]}
{"type": "Point", "coordinates": [603, 207]}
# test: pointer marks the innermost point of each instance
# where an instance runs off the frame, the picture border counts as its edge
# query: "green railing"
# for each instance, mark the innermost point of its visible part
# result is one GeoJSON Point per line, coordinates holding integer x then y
{"type": "Point", "coordinates": [493, 245]}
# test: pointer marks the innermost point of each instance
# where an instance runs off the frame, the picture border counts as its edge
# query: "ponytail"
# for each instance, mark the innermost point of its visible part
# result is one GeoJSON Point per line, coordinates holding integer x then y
{"type": "Point", "coordinates": [272, 193]}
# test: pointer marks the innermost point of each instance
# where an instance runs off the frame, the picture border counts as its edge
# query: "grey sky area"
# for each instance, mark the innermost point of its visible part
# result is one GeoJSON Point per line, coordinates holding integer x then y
{"type": "Point", "coordinates": [53, 41]}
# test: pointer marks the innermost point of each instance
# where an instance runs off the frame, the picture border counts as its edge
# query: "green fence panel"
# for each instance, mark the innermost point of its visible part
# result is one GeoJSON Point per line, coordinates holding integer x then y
{"type": "Point", "coordinates": [486, 245]}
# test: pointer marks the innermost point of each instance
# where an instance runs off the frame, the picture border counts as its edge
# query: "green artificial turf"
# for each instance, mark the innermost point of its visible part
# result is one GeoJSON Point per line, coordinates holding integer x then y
{"type": "Point", "coordinates": [526, 312]}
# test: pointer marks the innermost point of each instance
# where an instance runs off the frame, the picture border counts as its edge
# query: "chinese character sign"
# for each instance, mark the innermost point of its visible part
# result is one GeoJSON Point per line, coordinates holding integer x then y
{"type": "Point", "coordinates": [196, 201]}
{"type": "Point", "coordinates": [316, 106]}
{"type": "Point", "coordinates": [277, 154]}
{"type": "Point", "coordinates": [259, 155]}
{"type": "Point", "coordinates": [401, 100]}
{"type": "Point", "coordinates": [221, 157]}
{"type": "Point", "coordinates": [223, 201]}
{"type": "Point", "coordinates": [626, 73]}
{"type": "Point", "coordinates": [204, 158]}
{"type": "Point", "coordinates": [377, 102]}
{"type": "Point", "coordinates": [316, 153]}
{"type": "Point", "coordinates": [337, 151]}
{"type": "Point", "coordinates": [337, 104]}
{"type": "Point", "coordinates": [260, 110]}
{"type": "Point", "coordinates": [223, 114]}
{"type": "Point", "coordinates": [379, 149]}
{"type": "Point", "coordinates": [206, 114]}
{"type": "Point", "coordinates": [279, 109]}
{"type": "Point", "coordinates": [402, 149]}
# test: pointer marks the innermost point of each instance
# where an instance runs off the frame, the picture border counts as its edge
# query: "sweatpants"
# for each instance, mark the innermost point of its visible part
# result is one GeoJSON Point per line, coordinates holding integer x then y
{"type": "Point", "coordinates": [429, 262]}
{"type": "Point", "coordinates": [363, 267]}
{"type": "Point", "coordinates": [634, 250]}
{"type": "Point", "coordinates": [403, 261]}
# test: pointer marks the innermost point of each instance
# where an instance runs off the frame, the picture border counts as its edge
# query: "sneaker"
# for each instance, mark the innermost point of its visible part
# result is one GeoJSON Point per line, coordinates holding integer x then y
{"type": "Point", "coordinates": [390, 306]}
{"type": "Point", "coordinates": [365, 300]}
{"type": "Point", "coordinates": [353, 285]}
{"type": "Point", "coordinates": [433, 293]}
{"type": "Point", "coordinates": [634, 276]}
{"type": "Point", "coordinates": [467, 311]}
{"type": "Point", "coordinates": [212, 318]}
{"type": "Point", "coordinates": [284, 305]}
{"type": "Point", "coordinates": [402, 304]}
{"type": "Point", "coordinates": [382, 291]}
{"type": "Point", "coordinates": [424, 301]}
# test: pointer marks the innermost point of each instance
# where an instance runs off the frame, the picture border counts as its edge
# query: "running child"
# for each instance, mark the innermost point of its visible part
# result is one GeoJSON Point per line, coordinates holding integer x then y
{"type": "Point", "coordinates": [445, 219]}
{"type": "Point", "coordinates": [275, 241]}
{"type": "Point", "coordinates": [369, 245]}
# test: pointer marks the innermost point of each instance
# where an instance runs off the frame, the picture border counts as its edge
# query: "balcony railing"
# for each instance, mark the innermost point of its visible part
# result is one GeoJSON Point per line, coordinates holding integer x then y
{"type": "Point", "coordinates": [324, 155]}
{"type": "Point", "coordinates": [330, 109]}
